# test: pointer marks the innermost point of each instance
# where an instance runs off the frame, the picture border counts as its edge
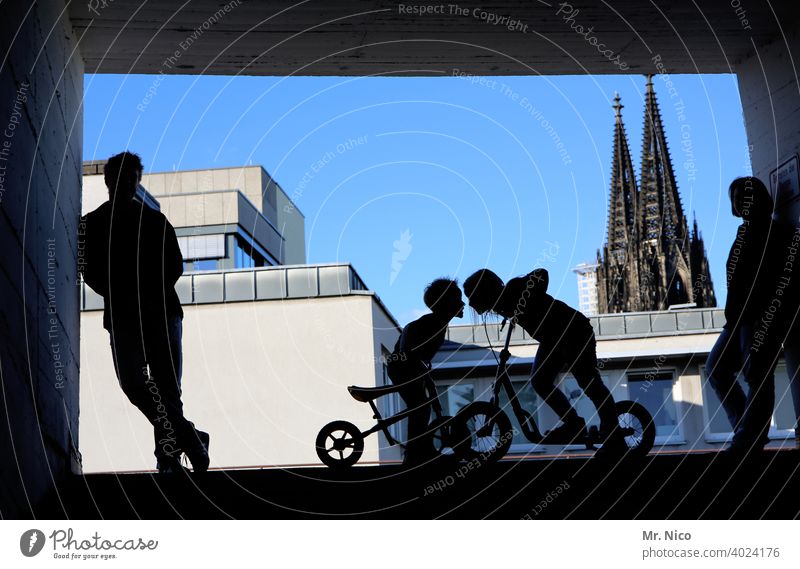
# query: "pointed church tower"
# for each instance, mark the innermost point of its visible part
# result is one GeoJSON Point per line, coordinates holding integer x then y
{"type": "Point", "coordinates": [702, 286]}
{"type": "Point", "coordinates": [620, 274]}
{"type": "Point", "coordinates": [664, 252]}
{"type": "Point", "coordinates": [649, 262]}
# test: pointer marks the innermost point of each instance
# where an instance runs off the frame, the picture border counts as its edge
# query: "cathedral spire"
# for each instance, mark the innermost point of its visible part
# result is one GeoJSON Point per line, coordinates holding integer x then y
{"type": "Point", "coordinates": [622, 224]}
{"type": "Point", "coordinates": [666, 277]}
{"type": "Point", "coordinates": [650, 261]}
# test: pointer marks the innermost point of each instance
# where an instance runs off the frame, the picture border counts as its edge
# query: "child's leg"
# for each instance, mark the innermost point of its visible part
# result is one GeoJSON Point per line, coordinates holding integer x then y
{"type": "Point", "coordinates": [419, 443]}
{"type": "Point", "coordinates": [546, 366]}
{"type": "Point", "coordinates": [585, 371]}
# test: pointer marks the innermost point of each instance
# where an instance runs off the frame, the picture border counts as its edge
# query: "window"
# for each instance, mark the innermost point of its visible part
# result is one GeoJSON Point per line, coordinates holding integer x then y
{"type": "Point", "coordinates": [653, 389]}
{"type": "Point", "coordinates": [246, 256]}
{"type": "Point", "coordinates": [200, 265]}
{"type": "Point", "coordinates": [528, 401]}
{"type": "Point", "coordinates": [455, 396]}
{"type": "Point", "coordinates": [202, 252]}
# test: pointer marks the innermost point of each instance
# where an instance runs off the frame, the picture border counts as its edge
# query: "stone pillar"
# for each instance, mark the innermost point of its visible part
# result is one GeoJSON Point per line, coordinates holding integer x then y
{"type": "Point", "coordinates": [770, 95]}
{"type": "Point", "coordinates": [41, 127]}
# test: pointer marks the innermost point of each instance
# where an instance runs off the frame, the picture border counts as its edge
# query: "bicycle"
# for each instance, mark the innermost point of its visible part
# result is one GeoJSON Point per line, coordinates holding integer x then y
{"type": "Point", "coordinates": [490, 433]}
{"type": "Point", "coordinates": [340, 444]}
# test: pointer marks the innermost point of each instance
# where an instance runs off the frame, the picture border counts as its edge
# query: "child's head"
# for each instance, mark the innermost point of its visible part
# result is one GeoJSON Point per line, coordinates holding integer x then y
{"type": "Point", "coordinates": [483, 288]}
{"type": "Point", "coordinates": [443, 297]}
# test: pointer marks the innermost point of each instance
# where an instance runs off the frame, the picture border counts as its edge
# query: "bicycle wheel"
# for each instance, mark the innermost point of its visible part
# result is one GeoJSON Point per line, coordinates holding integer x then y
{"type": "Point", "coordinates": [637, 427]}
{"type": "Point", "coordinates": [486, 430]}
{"type": "Point", "coordinates": [339, 444]}
{"type": "Point", "coordinates": [447, 434]}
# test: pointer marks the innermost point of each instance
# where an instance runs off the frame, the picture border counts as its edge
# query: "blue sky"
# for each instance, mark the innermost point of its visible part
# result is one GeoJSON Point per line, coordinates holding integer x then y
{"type": "Point", "coordinates": [410, 179]}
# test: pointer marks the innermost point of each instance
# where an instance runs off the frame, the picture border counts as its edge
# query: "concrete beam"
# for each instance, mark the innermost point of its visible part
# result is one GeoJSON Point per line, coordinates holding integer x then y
{"type": "Point", "coordinates": [348, 37]}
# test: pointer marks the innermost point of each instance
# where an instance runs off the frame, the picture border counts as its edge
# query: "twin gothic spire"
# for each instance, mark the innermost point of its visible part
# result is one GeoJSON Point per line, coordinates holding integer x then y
{"type": "Point", "coordinates": [650, 261]}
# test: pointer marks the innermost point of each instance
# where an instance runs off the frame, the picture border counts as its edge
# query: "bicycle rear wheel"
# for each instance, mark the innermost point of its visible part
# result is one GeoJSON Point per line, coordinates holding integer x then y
{"type": "Point", "coordinates": [486, 432]}
{"type": "Point", "coordinates": [339, 444]}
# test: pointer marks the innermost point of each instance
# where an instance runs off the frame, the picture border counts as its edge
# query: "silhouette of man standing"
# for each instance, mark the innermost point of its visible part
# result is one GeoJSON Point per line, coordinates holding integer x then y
{"type": "Point", "coordinates": [133, 261]}
{"type": "Point", "coordinates": [754, 329]}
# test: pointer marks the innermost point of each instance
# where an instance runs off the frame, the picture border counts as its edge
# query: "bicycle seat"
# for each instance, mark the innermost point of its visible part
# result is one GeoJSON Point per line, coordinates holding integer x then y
{"type": "Point", "coordinates": [367, 394]}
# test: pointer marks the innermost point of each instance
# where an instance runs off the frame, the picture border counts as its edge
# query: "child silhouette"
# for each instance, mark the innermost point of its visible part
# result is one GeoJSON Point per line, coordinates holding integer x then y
{"type": "Point", "coordinates": [410, 363]}
{"type": "Point", "coordinates": [566, 338]}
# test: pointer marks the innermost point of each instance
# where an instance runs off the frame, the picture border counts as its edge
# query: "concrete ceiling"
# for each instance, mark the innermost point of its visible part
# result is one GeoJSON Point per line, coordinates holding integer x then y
{"type": "Point", "coordinates": [338, 37]}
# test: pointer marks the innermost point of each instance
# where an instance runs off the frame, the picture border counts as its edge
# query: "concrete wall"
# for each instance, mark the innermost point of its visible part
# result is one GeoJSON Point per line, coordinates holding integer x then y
{"type": "Point", "coordinates": [292, 224]}
{"type": "Point", "coordinates": [262, 377]}
{"type": "Point", "coordinates": [218, 208]}
{"type": "Point", "coordinates": [246, 179]}
{"type": "Point", "coordinates": [41, 126]}
{"type": "Point", "coordinates": [770, 94]}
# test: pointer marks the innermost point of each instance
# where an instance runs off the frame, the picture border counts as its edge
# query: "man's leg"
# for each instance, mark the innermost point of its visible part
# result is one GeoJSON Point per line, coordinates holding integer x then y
{"type": "Point", "coordinates": [172, 431]}
{"type": "Point", "coordinates": [791, 354]}
{"type": "Point", "coordinates": [722, 367]}
{"type": "Point", "coordinates": [137, 382]}
{"type": "Point", "coordinates": [759, 374]}
{"type": "Point", "coordinates": [130, 365]}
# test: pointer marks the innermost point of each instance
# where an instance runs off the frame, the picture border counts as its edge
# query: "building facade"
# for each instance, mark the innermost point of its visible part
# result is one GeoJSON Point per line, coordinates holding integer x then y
{"type": "Point", "coordinates": [650, 260]}
{"type": "Point", "coordinates": [587, 288]}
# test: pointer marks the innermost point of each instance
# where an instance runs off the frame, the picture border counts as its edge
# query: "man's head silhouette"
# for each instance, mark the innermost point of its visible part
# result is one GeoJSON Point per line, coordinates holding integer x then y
{"type": "Point", "coordinates": [750, 198]}
{"type": "Point", "coordinates": [122, 175]}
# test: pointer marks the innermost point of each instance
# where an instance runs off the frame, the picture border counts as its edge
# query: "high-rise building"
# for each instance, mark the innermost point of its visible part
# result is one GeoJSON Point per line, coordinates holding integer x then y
{"type": "Point", "coordinates": [650, 261]}
{"type": "Point", "coordinates": [587, 288]}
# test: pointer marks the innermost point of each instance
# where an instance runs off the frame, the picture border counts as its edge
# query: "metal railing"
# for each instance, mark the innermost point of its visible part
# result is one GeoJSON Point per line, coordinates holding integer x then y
{"type": "Point", "coordinates": [610, 326]}
{"type": "Point", "coordinates": [264, 283]}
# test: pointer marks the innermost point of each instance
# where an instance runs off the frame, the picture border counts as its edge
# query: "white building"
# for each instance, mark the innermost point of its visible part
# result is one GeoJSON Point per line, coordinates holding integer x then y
{"type": "Point", "coordinates": [587, 288]}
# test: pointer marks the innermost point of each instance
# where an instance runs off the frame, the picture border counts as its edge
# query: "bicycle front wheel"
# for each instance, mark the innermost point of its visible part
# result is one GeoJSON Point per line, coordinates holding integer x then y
{"type": "Point", "coordinates": [487, 432]}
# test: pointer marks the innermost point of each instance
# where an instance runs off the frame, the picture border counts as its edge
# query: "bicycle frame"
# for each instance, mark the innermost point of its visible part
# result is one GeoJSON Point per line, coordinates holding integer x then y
{"type": "Point", "coordinates": [384, 424]}
{"type": "Point", "coordinates": [502, 381]}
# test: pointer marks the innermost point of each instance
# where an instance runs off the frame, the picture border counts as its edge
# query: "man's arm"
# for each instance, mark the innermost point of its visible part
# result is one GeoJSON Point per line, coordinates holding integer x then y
{"type": "Point", "coordinates": [93, 266]}
{"type": "Point", "coordinates": [173, 260]}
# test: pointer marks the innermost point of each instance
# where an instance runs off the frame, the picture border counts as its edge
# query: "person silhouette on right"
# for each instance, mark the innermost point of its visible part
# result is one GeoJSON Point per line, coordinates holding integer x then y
{"type": "Point", "coordinates": [133, 261]}
{"type": "Point", "coordinates": [744, 344]}
{"type": "Point", "coordinates": [566, 338]}
{"type": "Point", "coordinates": [409, 364]}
